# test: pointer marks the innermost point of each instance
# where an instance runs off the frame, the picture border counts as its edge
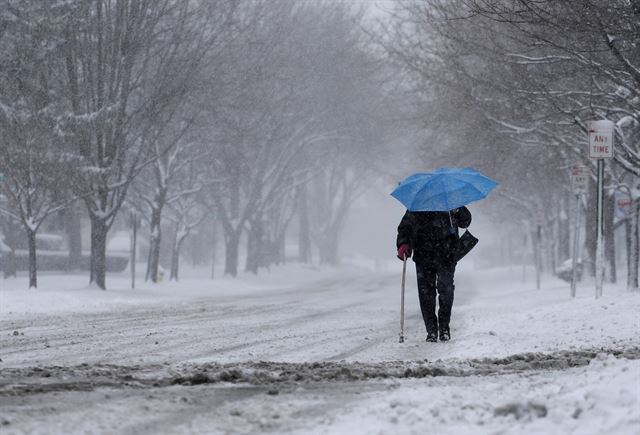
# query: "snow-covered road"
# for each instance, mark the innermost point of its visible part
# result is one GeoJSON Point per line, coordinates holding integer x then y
{"type": "Point", "coordinates": [186, 358]}
{"type": "Point", "coordinates": [351, 316]}
{"type": "Point", "coordinates": [330, 319]}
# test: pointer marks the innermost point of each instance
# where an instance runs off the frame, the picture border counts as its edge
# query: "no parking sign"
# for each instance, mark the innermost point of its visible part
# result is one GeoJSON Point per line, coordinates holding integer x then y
{"type": "Point", "coordinates": [624, 205]}
{"type": "Point", "coordinates": [579, 179]}
{"type": "Point", "coordinates": [601, 139]}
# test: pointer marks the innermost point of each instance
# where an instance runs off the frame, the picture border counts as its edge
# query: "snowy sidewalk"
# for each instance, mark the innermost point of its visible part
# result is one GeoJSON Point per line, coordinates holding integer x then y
{"type": "Point", "coordinates": [504, 316]}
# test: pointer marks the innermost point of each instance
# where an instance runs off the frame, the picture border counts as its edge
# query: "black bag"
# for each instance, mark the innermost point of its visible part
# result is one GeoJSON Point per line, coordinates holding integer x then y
{"type": "Point", "coordinates": [466, 242]}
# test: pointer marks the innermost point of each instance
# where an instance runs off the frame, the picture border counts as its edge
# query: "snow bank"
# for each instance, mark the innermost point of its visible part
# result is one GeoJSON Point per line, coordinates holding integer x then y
{"type": "Point", "coordinates": [603, 397]}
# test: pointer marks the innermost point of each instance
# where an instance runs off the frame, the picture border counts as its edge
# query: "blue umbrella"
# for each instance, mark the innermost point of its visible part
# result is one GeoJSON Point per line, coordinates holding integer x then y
{"type": "Point", "coordinates": [443, 189]}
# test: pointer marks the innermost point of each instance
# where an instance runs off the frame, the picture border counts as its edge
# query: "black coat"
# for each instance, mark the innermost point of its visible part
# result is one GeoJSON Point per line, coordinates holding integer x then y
{"type": "Point", "coordinates": [430, 234]}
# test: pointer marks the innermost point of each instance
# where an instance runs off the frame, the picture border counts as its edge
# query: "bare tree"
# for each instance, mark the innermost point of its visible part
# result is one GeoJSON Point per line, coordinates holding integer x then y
{"type": "Point", "coordinates": [30, 155]}
{"type": "Point", "coordinates": [300, 86]}
{"type": "Point", "coordinates": [125, 62]}
{"type": "Point", "coordinates": [155, 188]}
{"type": "Point", "coordinates": [171, 143]}
{"type": "Point", "coordinates": [258, 129]}
{"type": "Point", "coordinates": [186, 214]}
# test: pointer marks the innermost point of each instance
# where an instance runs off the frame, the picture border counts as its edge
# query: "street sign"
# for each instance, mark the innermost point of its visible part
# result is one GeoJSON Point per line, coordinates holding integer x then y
{"type": "Point", "coordinates": [601, 139]}
{"type": "Point", "coordinates": [539, 218]}
{"type": "Point", "coordinates": [579, 179]}
{"type": "Point", "coordinates": [624, 205]}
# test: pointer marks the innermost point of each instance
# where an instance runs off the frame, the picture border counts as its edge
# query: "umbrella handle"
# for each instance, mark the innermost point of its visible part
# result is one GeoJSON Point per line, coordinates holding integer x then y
{"type": "Point", "coordinates": [452, 229]}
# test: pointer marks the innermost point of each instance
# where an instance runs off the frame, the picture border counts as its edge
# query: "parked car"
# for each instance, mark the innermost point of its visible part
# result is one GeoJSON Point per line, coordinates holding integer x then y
{"type": "Point", "coordinates": [565, 270]}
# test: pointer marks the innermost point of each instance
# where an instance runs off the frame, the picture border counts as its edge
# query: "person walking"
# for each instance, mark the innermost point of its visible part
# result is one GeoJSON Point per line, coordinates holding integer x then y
{"type": "Point", "coordinates": [432, 238]}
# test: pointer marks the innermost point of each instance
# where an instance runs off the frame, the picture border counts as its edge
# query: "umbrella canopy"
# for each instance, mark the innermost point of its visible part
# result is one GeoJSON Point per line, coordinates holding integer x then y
{"type": "Point", "coordinates": [443, 189]}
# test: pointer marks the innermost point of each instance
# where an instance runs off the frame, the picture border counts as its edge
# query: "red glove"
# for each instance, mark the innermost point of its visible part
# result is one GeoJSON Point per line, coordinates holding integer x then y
{"type": "Point", "coordinates": [404, 251]}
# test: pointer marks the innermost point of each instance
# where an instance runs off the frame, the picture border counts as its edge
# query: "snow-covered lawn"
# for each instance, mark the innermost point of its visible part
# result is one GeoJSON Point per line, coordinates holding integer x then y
{"type": "Point", "coordinates": [304, 314]}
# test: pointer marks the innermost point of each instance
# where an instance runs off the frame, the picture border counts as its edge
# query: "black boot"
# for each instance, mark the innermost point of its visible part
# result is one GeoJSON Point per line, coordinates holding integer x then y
{"type": "Point", "coordinates": [445, 335]}
{"type": "Point", "coordinates": [432, 337]}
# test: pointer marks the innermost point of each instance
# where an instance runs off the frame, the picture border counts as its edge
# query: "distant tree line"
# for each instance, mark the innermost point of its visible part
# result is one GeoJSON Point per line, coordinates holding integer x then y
{"type": "Point", "coordinates": [246, 115]}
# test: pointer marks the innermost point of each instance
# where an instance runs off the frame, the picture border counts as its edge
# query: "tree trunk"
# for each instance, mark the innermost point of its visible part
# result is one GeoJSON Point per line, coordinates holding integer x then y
{"type": "Point", "coordinates": [628, 232]}
{"type": "Point", "coordinates": [214, 243]}
{"type": "Point", "coordinates": [231, 253]}
{"type": "Point", "coordinates": [329, 250]}
{"type": "Point", "coordinates": [331, 236]}
{"type": "Point", "coordinates": [99, 252]}
{"type": "Point", "coordinates": [254, 247]}
{"type": "Point", "coordinates": [155, 239]}
{"type": "Point", "coordinates": [267, 253]}
{"type": "Point", "coordinates": [634, 254]}
{"type": "Point", "coordinates": [153, 263]}
{"type": "Point", "coordinates": [74, 234]}
{"type": "Point", "coordinates": [331, 241]}
{"type": "Point", "coordinates": [304, 235]}
{"type": "Point", "coordinates": [551, 238]}
{"type": "Point", "coordinates": [609, 237]}
{"type": "Point", "coordinates": [590, 216]}
{"type": "Point", "coordinates": [564, 232]}
{"type": "Point", "coordinates": [175, 258]}
{"type": "Point", "coordinates": [281, 247]}
{"type": "Point", "coordinates": [174, 264]}
{"type": "Point", "coordinates": [33, 266]}
{"type": "Point", "coordinates": [510, 251]}
{"type": "Point", "coordinates": [536, 244]}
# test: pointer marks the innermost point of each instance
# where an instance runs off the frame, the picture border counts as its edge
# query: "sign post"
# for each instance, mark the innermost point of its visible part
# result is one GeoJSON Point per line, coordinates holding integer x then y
{"type": "Point", "coordinates": [540, 221]}
{"type": "Point", "coordinates": [600, 147]}
{"type": "Point", "coordinates": [579, 185]}
{"type": "Point", "coordinates": [134, 222]}
{"type": "Point", "coordinates": [524, 256]}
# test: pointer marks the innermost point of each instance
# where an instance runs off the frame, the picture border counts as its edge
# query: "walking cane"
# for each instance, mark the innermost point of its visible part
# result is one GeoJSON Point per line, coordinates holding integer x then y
{"type": "Point", "coordinates": [404, 273]}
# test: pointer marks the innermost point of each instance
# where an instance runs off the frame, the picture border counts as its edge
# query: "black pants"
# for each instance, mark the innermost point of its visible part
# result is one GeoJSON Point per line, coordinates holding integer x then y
{"type": "Point", "coordinates": [432, 278]}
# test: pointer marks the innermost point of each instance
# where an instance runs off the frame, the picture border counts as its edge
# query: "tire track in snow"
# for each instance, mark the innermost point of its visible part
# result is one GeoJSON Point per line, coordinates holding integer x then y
{"type": "Point", "coordinates": [99, 337]}
{"type": "Point", "coordinates": [227, 306]}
